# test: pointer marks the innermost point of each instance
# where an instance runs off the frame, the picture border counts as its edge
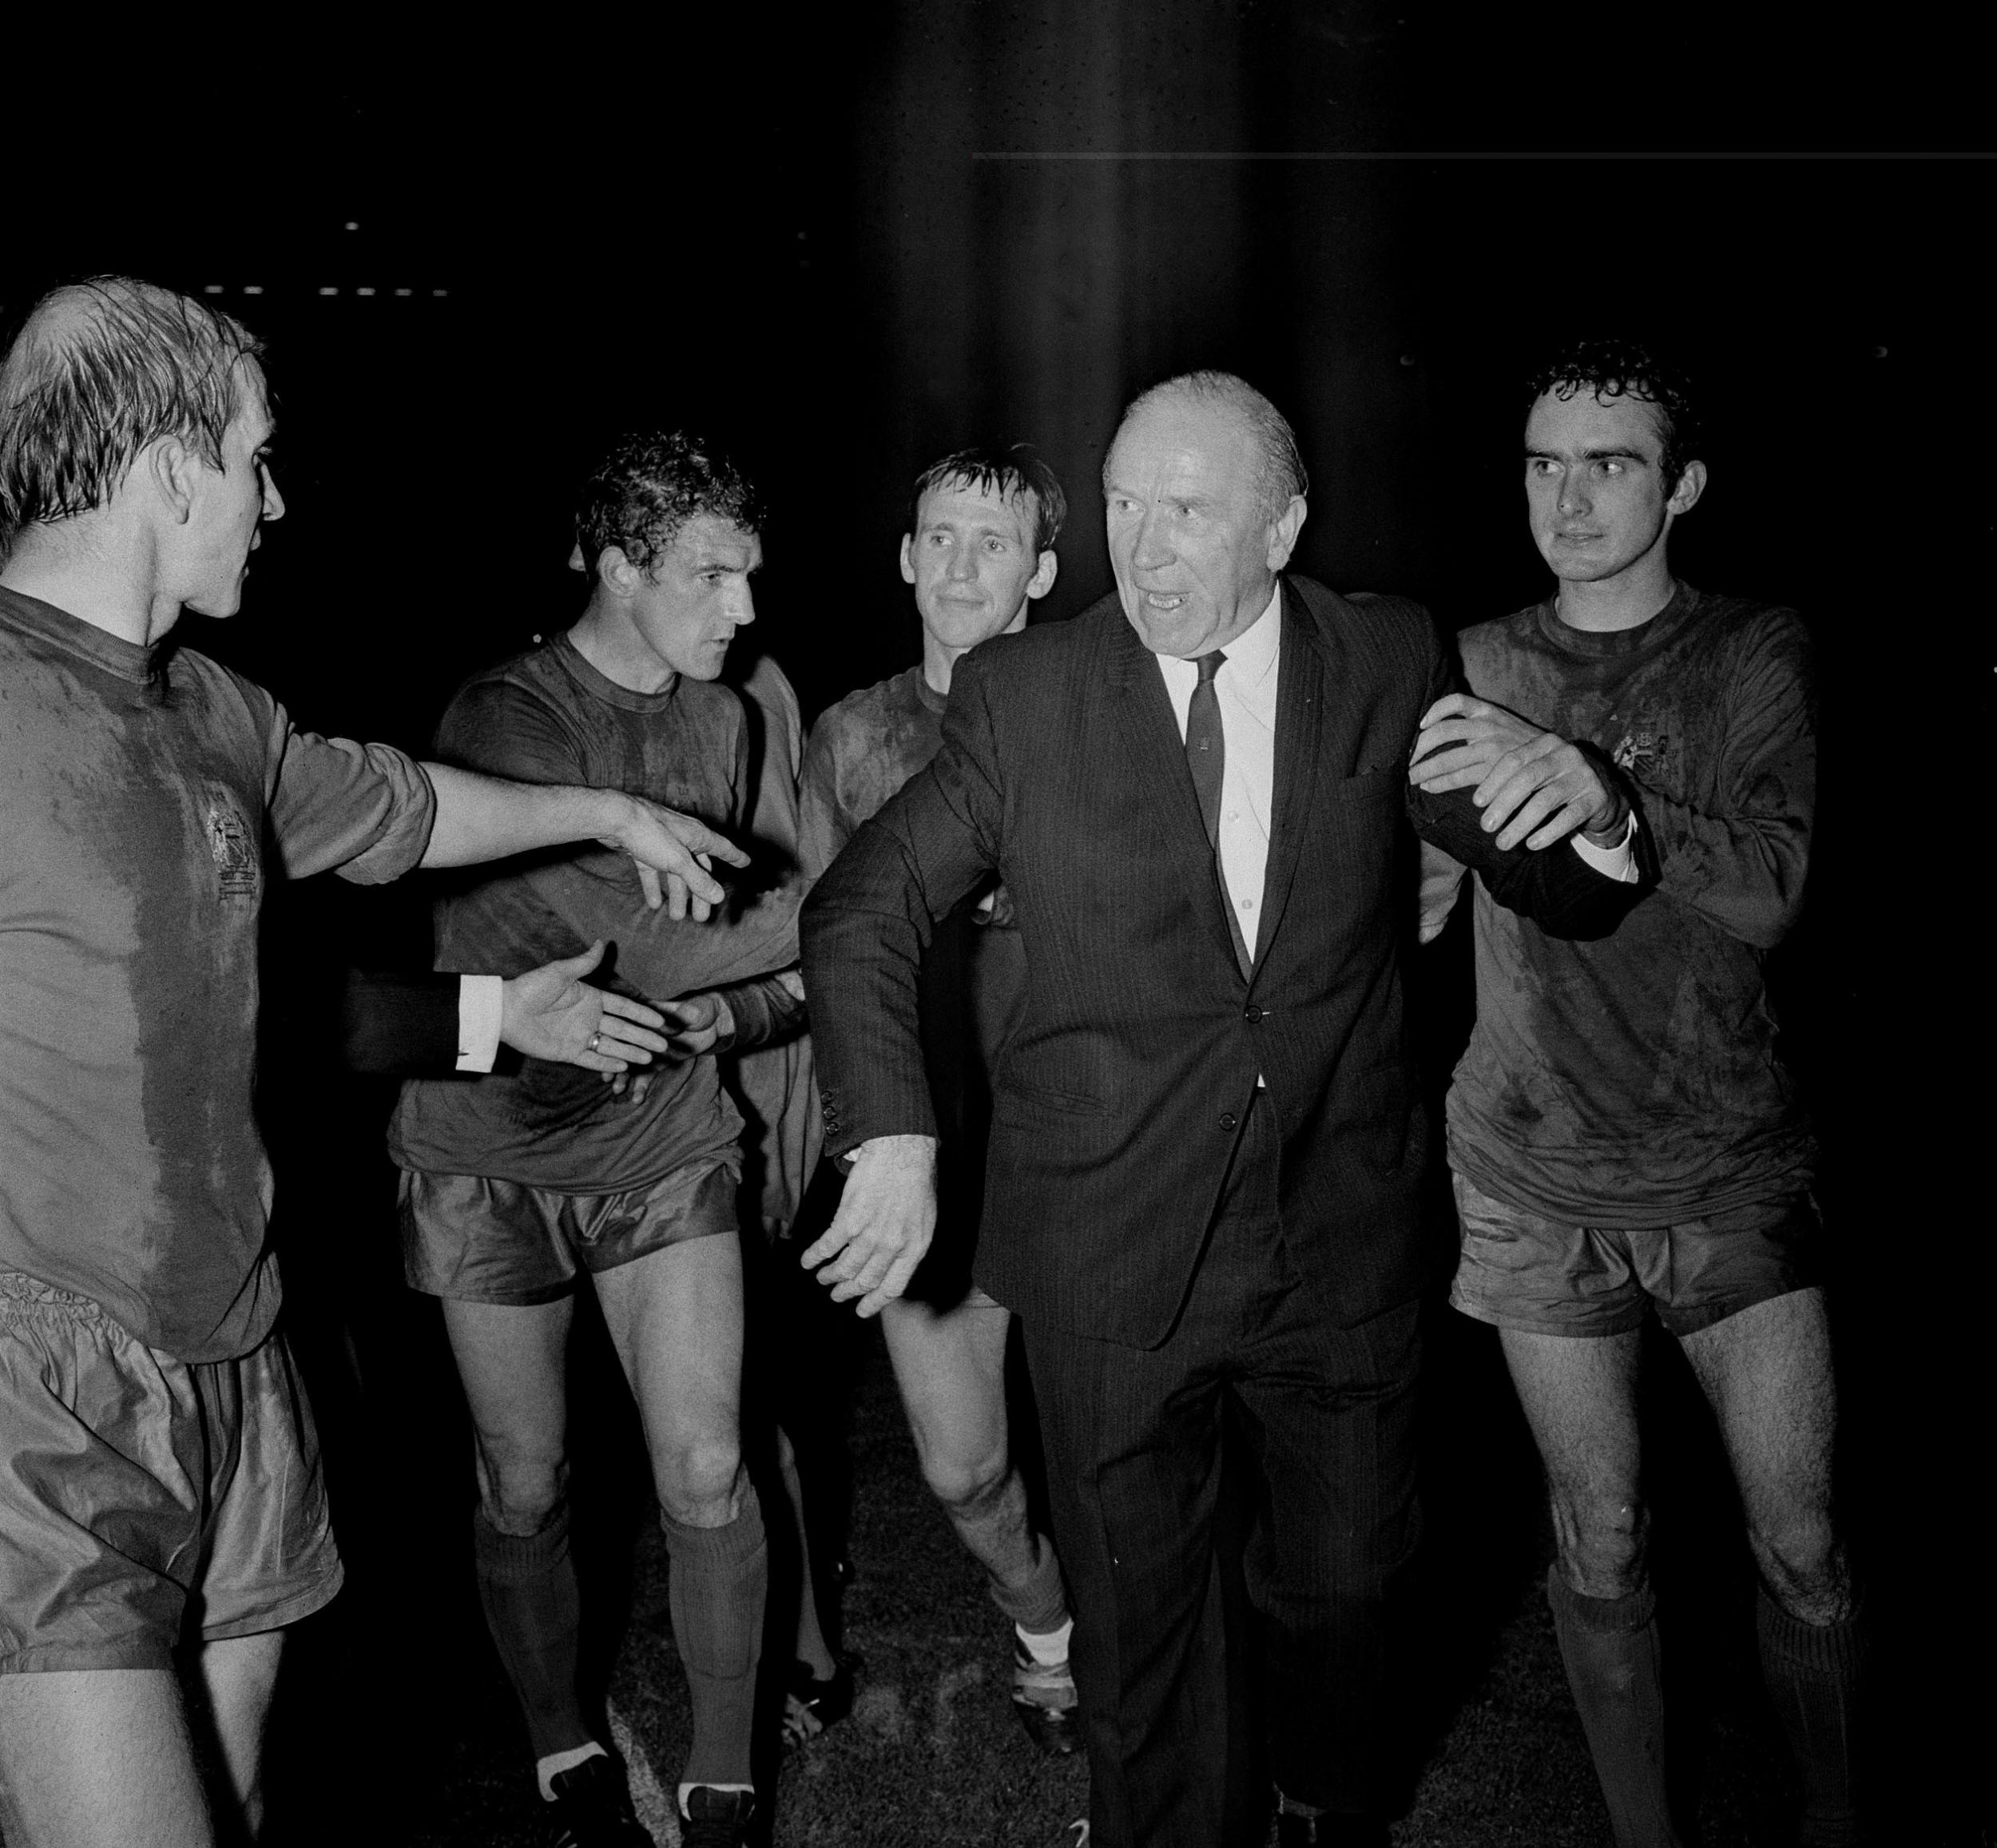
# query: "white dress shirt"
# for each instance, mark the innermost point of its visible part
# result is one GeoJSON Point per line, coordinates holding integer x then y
{"type": "Point", "coordinates": [480, 1009]}
{"type": "Point", "coordinates": [1245, 690]}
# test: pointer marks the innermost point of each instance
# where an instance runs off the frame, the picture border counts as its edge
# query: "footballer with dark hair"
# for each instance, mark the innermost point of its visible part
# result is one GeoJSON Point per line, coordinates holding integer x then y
{"type": "Point", "coordinates": [1624, 1141]}
{"type": "Point", "coordinates": [520, 1190]}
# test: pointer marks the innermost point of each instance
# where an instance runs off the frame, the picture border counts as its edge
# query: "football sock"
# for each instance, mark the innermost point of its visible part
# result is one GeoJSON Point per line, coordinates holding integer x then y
{"type": "Point", "coordinates": [1034, 1597]}
{"type": "Point", "coordinates": [527, 1586]}
{"type": "Point", "coordinates": [1814, 1675]}
{"type": "Point", "coordinates": [1610, 1646]}
{"type": "Point", "coordinates": [720, 1579]}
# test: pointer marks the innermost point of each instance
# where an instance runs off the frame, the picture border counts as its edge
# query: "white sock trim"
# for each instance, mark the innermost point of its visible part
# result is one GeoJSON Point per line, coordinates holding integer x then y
{"type": "Point", "coordinates": [547, 1770]}
{"type": "Point", "coordinates": [1049, 1649]}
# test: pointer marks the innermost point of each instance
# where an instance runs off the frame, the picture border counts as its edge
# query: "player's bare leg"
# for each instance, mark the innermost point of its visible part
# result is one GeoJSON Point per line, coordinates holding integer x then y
{"type": "Point", "coordinates": [1579, 1393]}
{"type": "Point", "coordinates": [950, 1365]}
{"type": "Point", "coordinates": [237, 1680]}
{"type": "Point", "coordinates": [675, 1317]}
{"type": "Point", "coordinates": [821, 1689]}
{"type": "Point", "coordinates": [99, 1756]}
{"type": "Point", "coordinates": [1767, 1372]}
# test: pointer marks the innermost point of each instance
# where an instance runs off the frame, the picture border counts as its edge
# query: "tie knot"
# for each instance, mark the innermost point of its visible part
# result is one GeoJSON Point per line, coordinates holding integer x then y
{"type": "Point", "coordinates": [1209, 665]}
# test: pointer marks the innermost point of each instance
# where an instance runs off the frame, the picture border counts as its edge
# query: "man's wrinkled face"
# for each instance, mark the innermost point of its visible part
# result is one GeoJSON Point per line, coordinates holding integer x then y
{"type": "Point", "coordinates": [972, 561]}
{"type": "Point", "coordinates": [229, 504]}
{"type": "Point", "coordinates": [1194, 552]}
{"type": "Point", "coordinates": [687, 608]}
{"type": "Point", "coordinates": [1595, 487]}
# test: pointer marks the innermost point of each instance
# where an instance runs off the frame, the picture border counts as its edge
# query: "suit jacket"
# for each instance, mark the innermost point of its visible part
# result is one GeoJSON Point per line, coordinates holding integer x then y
{"type": "Point", "coordinates": [1118, 1099]}
{"type": "Point", "coordinates": [399, 1024]}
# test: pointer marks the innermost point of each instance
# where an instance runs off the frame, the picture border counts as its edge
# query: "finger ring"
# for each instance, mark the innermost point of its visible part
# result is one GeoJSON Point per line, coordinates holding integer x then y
{"type": "Point", "coordinates": [596, 1039]}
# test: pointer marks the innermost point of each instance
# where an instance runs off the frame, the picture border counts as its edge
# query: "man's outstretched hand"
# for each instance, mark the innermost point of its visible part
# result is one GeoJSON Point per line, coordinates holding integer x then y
{"type": "Point", "coordinates": [885, 1221]}
{"type": "Point", "coordinates": [552, 1013]}
{"type": "Point", "coordinates": [1533, 785]}
{"type": "Point", "coordinates": [664, 841]}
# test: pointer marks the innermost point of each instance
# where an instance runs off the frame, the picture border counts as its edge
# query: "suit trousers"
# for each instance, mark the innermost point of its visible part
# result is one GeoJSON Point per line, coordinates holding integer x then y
{"type": "Point", "coordinates": [1134, 1441]}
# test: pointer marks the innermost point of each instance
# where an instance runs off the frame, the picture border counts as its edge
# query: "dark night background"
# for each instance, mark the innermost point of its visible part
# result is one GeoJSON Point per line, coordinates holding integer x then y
{"type": "Point", "coordinates": [844, 245]}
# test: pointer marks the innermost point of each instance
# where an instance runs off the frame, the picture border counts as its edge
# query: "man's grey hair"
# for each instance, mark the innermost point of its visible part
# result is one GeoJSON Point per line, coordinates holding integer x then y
{"type": "Point", "coordinates": [1280, 472]}
{"type": "Point", "coordinates": [100, 370]}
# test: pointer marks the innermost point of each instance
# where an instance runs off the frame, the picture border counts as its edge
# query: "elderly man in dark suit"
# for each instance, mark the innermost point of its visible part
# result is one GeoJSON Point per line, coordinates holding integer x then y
{"type": "Point", "coordinates": [1208, 1141]}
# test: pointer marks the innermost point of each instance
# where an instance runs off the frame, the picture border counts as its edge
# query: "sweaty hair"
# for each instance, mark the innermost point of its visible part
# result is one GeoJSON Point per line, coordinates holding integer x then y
{"type": "Point", "coordinates": [649, 486]}
{"type": "Point", "coordinates": [1611, 368]}
{"type": "Point", "coordinates": [1280, 472]}
{"type": "Point", "coordinates": [1011, 472]}
{"type": "Point", "coordinates": [99, 370]}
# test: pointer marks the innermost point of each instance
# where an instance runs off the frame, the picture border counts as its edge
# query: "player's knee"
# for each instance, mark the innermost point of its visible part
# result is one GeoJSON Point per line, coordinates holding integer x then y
{"type": "Point", "coordinates": [698, 1483]}
{"type": "Point", "coordinates": [1804, 1566]}
{"type": "Point", "coordinates": [968, 1485]}
{"type": "Point", "coordinates": [1601, 1545]}
{"type": "Point", "coordinates": [520, 1492]}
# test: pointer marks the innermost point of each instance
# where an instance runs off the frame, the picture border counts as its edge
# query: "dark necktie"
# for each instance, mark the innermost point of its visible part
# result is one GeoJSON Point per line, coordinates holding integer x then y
{"type": "Point", "coordinates": [1205, 748]}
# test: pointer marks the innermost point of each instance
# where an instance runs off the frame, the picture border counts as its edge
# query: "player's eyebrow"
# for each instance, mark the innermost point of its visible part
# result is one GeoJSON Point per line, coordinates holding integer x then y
{"type": "Point", "coordinates": [1593, 453]}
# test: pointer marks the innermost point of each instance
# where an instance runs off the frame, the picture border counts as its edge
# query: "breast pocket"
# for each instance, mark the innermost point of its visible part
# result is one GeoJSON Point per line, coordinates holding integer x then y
{"type": "Point", "coordinates": [1362, 812]}
{"type": "Point", "coordinates": [1388, 784]}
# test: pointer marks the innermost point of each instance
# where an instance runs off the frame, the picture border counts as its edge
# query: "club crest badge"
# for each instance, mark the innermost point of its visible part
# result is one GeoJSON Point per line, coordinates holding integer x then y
{"type": "Point", "coordinates": [1640, 751]}
{"type": "Point", "coordinates": [233, 846]}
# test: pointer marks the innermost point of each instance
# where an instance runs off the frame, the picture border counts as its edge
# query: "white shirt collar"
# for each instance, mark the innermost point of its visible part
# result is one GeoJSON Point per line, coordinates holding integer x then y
{"type": "Point", "coordinates": [1250, 656]}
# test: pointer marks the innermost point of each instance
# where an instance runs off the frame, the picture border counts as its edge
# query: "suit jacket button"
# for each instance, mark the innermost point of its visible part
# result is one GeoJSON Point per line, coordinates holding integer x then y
{"type": "Point", "coordinates": [1250, 1013]}
{"type": "Point", "coordinates": [1229, 1119]}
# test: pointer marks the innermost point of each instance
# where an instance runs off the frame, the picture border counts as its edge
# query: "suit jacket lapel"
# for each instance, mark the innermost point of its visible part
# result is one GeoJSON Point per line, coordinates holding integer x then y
{"type": "Point", "coordinates": [1302, 686]}
{"type": "Point", "coordinates": [1156, 757]}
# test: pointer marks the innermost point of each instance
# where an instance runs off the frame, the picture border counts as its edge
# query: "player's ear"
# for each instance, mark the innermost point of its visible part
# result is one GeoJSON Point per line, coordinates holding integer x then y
{"type": "Point", "coordinates": [168, 468]}
{"type": "Point", "coordinates": [616, 572]}
{"type": "Point", "coordinates": [1282, 531]}
{"type": "Point", "coordinates": [907, 558]}
{"type": "Point", "coordinates": [1041, 581]}
{"type": "Point", "coordinates": [1691, 485]}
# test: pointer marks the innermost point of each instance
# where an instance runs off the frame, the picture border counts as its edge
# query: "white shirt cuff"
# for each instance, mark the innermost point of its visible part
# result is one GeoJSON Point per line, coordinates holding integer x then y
{"type": "Point", "coordinates": [479, 1009]}
{"type": "Point", "coordinates": [1618, 862]}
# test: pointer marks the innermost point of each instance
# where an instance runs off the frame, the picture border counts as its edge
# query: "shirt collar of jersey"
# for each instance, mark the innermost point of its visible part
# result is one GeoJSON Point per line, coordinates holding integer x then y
{"type": "Point", "coordinates": [47, 622]}
{"type": "Point", "coordinates": [1604, 644]}
{"type": "Point", "coordinates": [936, 701]}
{"type": "Point", "coordinates": [599, 685]}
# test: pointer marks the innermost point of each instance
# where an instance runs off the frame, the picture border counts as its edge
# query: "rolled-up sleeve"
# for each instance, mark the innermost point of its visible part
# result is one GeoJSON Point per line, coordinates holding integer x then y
{"type": "Point", "coordinates": [363, 811]}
